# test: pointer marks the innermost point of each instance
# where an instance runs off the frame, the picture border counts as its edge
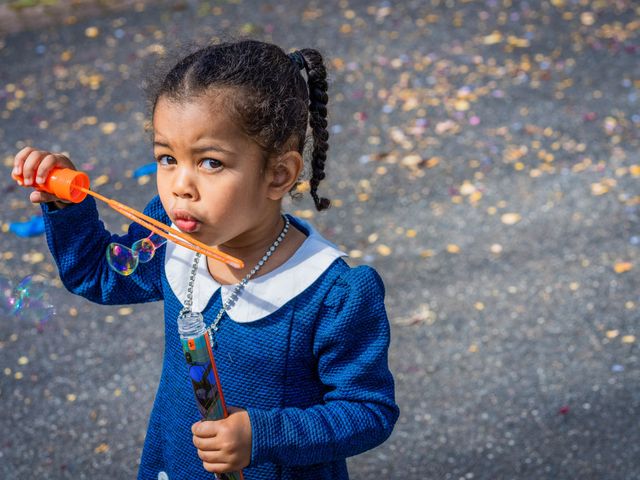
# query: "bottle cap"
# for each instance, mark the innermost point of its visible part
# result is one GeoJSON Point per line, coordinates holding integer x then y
{"type": "Point", "coordinates": [64, 183]}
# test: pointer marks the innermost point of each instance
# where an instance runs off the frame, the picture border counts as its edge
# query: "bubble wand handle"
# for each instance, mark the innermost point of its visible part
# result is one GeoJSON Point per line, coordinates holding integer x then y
{"type": "Point", "coordinates": [73, 186]}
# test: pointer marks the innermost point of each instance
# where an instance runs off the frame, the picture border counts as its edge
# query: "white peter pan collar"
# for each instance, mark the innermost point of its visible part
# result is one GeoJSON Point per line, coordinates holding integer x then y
{"type": "Point", "coordinates": [264, 294]}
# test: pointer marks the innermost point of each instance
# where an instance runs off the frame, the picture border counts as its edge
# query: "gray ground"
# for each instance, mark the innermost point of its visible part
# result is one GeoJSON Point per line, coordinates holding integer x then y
{"type": "Point", "coordinates": [484, 158]}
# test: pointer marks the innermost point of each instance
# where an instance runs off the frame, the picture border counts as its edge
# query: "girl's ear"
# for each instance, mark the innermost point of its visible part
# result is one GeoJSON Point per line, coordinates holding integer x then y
{"type": "Point", "coordinates": [283, 173]}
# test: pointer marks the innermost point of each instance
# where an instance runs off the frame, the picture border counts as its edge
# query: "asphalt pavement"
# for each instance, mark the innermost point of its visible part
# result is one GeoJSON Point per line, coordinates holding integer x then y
{"type": "Point", "coordinates": [484, 159]}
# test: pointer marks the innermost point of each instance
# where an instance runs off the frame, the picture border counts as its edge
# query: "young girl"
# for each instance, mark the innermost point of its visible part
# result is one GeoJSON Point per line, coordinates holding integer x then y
{"type": "Point", "coordinates": [301, 342]}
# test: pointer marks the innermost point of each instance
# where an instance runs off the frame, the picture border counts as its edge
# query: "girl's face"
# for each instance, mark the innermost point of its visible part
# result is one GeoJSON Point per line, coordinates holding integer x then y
{"type": "Point", "coordinates": [211, 176]}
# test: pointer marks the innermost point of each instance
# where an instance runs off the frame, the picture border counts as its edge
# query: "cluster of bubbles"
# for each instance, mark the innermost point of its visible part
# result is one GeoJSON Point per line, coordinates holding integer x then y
{"type": "Point", "coordinates": [125, 260]}
{"type": "Point", "coordinates": [26, 301]}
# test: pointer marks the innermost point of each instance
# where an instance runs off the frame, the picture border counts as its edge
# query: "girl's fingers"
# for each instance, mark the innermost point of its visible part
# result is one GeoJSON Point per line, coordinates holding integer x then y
{"type": "Point", "coordinates": [216, 467]}
{"type": "Point", "coordinates": [206, 443]}
{"type": "Point", "coordinates": [19, 159]}
{"type": "Point", "coordinates": [205, 429]}
{"type": "Point", "coordinates": [45, 166]}
{"type": "Point", "coordinates": [30, 165]}
{"type": "Point", "coordinates": [212, 457]}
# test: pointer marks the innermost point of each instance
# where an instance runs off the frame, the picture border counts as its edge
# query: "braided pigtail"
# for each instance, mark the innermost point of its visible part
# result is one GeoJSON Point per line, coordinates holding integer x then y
{"type": "Point", "coordinates": [318, 98]}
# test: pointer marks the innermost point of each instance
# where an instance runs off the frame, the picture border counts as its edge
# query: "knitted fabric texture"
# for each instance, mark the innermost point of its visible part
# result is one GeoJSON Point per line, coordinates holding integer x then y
{"type": "Point", "coordinates": [313, 375]}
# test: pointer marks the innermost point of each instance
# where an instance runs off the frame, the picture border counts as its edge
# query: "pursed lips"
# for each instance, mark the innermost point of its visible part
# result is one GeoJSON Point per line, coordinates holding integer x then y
{"type": "Point", "coordinates": [185, 221]}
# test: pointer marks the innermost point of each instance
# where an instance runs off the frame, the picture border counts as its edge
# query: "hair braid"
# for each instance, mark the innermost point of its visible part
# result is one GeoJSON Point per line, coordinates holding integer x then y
{"type": "Point", "coordinates": [318, 98]}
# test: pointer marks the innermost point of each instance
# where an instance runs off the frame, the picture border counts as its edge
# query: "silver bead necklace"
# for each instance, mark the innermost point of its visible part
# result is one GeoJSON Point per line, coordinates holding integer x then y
{"type": "Point", "coordinates": [233, 298]}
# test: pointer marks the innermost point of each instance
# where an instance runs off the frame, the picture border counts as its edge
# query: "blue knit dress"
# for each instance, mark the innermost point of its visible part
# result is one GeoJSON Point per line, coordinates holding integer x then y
{"type": "Point", "coordinates": [304, 350]}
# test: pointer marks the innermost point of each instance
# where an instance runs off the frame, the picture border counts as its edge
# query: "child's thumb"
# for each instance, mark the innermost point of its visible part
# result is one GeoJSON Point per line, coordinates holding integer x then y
{"type": "Point", "coordinates": [38, 196]}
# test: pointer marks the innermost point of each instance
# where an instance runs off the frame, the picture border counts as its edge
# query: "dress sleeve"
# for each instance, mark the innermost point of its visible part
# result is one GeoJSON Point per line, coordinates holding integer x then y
{"type": "Point", "coordinates": [359, 409]}
{"type": "Point", "coordinates": [78, 241]}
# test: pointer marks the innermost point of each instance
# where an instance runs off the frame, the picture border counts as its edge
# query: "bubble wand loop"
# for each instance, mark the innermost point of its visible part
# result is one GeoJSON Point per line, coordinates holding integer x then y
{"type": "Point", "coordinates": [73, 186]}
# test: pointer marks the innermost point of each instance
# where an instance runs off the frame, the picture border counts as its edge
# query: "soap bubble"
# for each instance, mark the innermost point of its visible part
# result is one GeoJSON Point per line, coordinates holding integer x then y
{"type": "Point", "coordinates": [124, 260]}
{"type": "Point", "coordinates": [121, 259]}
{"type": "Point", "coordinates": [26, 301]}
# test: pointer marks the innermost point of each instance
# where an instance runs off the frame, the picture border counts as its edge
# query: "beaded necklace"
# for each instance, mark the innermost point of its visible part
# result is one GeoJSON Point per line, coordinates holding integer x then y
{"type": "Point", "coordinates": [231, 301]}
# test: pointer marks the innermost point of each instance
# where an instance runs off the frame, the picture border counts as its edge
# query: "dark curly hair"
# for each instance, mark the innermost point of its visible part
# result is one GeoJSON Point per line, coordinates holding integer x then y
{"type": "Point", "coordinates": [274, 102]}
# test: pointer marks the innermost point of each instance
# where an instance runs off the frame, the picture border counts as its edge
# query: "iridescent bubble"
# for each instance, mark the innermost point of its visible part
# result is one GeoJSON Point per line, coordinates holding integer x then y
{"type": "Point", "coordinates": [121, 259]}
{"type": "Point", "coordinates": [26, 301]}
{"type": "Point", "coordinates": [146, 248]}
{"type": "Point", "coordinates": [22, 294]}
{"type": "Point", "coordinates": [125, 260]}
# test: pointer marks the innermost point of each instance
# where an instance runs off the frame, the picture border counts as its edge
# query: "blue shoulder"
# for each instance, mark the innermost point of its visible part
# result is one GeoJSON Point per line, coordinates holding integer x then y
{"type": "Point", "coordinates": [356, 284]}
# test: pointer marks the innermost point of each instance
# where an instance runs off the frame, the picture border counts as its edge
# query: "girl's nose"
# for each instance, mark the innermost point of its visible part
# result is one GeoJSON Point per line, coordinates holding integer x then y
{"type": "Point", "coordinates": [184, 185]}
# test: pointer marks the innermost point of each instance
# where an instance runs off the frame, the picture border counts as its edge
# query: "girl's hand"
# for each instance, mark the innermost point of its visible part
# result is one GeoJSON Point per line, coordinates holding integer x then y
{"type": "Point", "coordinates": [224, 445]}
{"type": "Point", "coordinates": [34, 166]}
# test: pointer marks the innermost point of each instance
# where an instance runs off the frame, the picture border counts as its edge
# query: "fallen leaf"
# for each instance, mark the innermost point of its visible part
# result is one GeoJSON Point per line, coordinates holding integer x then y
{"type": "Point", "coordinates": [622, 267]}
{"type": "Point", "coordinates": [510, 218]}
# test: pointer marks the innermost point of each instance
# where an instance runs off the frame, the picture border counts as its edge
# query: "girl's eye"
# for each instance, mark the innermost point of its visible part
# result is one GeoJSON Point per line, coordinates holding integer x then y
{"type": "Point", "coordinates": [166, 160]}
{"type": "Point", "coordinates": [211, 164]}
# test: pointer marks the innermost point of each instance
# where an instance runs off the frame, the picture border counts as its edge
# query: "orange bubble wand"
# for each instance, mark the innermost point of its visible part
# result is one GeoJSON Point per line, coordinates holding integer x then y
{"type": "Point", "coordinates": [73, 186]}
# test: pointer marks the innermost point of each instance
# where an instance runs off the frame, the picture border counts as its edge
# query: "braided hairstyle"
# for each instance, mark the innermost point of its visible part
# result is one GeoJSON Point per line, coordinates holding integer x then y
{"type": "Point", "coordinates": [272, 102]}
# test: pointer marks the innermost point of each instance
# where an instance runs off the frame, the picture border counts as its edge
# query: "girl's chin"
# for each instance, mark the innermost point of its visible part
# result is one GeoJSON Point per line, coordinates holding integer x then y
{"type": "Point", "coordinates": [201, 235]}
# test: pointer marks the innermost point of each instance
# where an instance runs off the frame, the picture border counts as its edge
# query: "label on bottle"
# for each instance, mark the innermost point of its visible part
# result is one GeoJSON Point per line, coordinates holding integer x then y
{"type": "Point", "coordinates": [203, 377]}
